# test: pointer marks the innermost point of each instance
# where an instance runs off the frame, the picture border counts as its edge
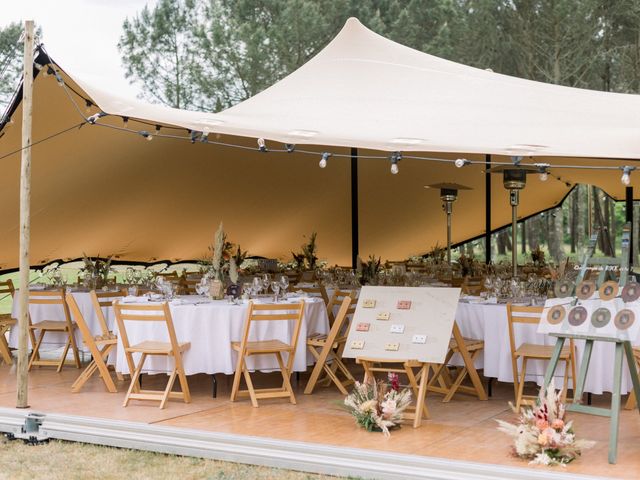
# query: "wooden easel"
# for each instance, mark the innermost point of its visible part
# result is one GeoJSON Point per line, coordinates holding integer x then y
{"type": "Point", "coordinates": [418, 383]}
{"type": "Point", "coordinates": [621, 345]}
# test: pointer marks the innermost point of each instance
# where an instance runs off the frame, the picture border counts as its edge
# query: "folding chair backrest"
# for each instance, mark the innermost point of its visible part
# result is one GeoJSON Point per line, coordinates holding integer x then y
{"type": "Point", "coordinates": [189, 285]}
{"type": "Point", "coordinates": [7, 287]}
{"type": "Point", "coordinates": [77, 316]}
{"type": "Point", "coordinates": [105, 299]}
{"type": "Point", "coordinates": [273, 312]}
{"type": "Point", "coordinates": [336, 301]}
{"type": "Point", "coordinates": [156, 312]}
{"type": "Point", "coordinates": [517, 314]}
{"type": "Point", "coordinates": [51, 297]}
{"type": "Point", "coordinates": [342, 320]}
{"type": "Point", "coordinates": [319, 291]}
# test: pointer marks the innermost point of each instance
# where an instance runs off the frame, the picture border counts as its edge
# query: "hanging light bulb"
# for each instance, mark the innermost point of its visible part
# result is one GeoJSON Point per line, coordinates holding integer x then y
{"type": "Point", "coordinates": [626, 175]}
{"type": "Point", "coordinates": [146, 135]}
{"type": "Point", "coordinates": [323, 160]}
{"type": "Point", "coordinates": [204, 138]}
{"type": "Point", "coordinates": [261, 145]}
{"type": "Point", "coordinates": [59, 79]}
{"type": "Point", "coordinates": [88, 104]}
{"type": "Point", "coordinates": [461, 162]}
{"type": "Point", "coordinates": [395, 158]}
{"type": "Point", "coordinates": [125, 122]}
{"type": "Point", "coordinates": [542, 171]}
{"type": "Point", "coordinates": [290, 147]}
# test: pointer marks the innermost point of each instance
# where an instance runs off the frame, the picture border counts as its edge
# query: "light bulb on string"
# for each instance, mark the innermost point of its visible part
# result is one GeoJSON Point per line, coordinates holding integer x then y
{"type": "Point", "coordinates": [146, 135]}
{"type": "Point", "coordinates": [461, 162]}
{"type": "Point", "coordinates": [542, 171]}
{"type": "Point", "coordinates": [262, 146]}
{"type": "Point", "coordinates": [59, 79]}
{"type": "Point", "coordinates": [88, 106]}
{"type": "Point", "coordinates": [395, 158]}
{"type": "Point", "coordinates": [626, 175]}
{"type": "Point", "coordinates": [125, 122]}
{"type": "Point", "coordinates": [544, 176]}
{"type": "Point", "coordinates": [323, 160]}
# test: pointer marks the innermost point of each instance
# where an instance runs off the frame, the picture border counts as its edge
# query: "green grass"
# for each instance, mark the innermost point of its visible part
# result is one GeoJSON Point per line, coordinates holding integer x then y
{"type": "Point", "coordinates": [59, 460]}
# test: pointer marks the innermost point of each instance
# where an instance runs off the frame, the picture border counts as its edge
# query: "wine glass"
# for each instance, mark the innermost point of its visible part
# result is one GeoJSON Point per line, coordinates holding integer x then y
{"type": "Point", "coordinates": [257, 285]}
{"type": "Point", "coordinates": [246, 288]}
{"type": "Point", "coordinates": [284, 283]}
{"type": "Point", "coordinates": [275, 286]}
{"type": "Point", "coordinates": [266, 282]}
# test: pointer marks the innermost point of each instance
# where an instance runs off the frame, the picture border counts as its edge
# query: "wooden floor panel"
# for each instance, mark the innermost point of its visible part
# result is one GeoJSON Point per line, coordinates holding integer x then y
{"type": "Point", "coordinates": [464, 429]}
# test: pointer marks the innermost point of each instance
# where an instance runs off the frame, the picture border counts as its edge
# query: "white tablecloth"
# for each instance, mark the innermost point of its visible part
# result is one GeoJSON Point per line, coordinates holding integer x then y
{"type": "Point", "coordinates": [489, 323]}
{"type": "Point", "coordinates": [54, 340]}
{"type": "Point", "coordinates": [211, 327]}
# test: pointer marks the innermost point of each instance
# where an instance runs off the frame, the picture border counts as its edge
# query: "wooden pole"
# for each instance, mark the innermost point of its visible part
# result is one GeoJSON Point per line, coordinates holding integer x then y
{"type": "Point", "coordinates": [25, 220]}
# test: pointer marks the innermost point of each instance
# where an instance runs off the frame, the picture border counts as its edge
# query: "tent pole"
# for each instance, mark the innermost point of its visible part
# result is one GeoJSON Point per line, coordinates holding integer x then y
{"type": "Point", "coordinates": [487, 212]}
{"type": "Point", "coordinates": [629, 218]}
{"type": "Point", "coordinates": [354, 209]}
{"type": "Point", "coordinates": [25, 220]}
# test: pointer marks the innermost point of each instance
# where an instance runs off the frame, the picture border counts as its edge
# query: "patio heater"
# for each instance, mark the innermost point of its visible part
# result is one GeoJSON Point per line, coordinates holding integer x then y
{"type": "Point", "coordinates": [514, 179]}
{"type": "Point", "coordinates": [448, 195]}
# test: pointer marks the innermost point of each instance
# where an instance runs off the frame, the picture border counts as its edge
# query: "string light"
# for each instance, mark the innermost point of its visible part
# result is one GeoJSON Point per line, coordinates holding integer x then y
{"type": "Point", "coordinates": [323, 160]}
{"type": "Point", "coordinates": [395, 158]}
{"type": "Point", "coordinates": [626, 175]}
{"type": "Point", "coordinates": [542, 171]}
{"type": "Point", "coordinates": [288, 148]}
{"type": "Point", "coordinates": [194, 136]}
{"type": "Point", "coordinates": [89, 105]}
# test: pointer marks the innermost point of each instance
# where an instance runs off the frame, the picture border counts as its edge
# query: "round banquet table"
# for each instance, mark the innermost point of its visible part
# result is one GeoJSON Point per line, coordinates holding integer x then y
{"type": "Point", "coordinates": [54, 340]}
{"type": "Point", "coordinates": [211, 326]}
{"type": "Point", "coordinates": [489, 322]}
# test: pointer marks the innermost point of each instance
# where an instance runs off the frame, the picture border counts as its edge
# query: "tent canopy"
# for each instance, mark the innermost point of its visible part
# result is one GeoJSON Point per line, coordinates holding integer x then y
{"type": "Point", "coordinates": [108, 191]}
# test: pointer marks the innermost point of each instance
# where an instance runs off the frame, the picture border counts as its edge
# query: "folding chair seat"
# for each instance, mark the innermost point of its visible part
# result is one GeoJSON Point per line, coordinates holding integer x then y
{"type": "Point", "coordinates": [160, 313]}
{"type": "Point", "coordinates": [246, 348]}
{"type": "Point", "coordinates": [327, 350]}
{"type": "Point", "coordinates": [65, 326]}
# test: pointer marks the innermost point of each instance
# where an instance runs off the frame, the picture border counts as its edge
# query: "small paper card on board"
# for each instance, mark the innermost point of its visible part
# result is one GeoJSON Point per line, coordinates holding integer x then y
{"type": "Point", "coordinates": [369, 303]}
{"type": "Point", "coordinates": [392, 347]}
{"type": "Point", "coordinates": [383, 316]}
{"type": "Point", "coordinates": [419, 339]}
{"type": "Point", "coordinates": [357, 344]}
{"type": "Point", "coordinates": [363, 327]}
{"type": "Point", "coordinates": [404, 305]}
{"type": "Point", "coordinates": [399, 328]}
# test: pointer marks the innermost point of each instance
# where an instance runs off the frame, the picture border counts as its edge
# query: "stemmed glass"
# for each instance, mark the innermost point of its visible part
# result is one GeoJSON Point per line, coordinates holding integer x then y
{"type": "Point", "coordinates": [284, 283]}
{"type": "Point", "coordinates": [275, 286]}
{"type": "Point", "coordinates": [246, 288]}
{"type": "Point", "coordinates": [266, 282]}
{"type": "Point", "coordinates": [202, 287]}
{"type": "Point", "coordinates": [257, 285]}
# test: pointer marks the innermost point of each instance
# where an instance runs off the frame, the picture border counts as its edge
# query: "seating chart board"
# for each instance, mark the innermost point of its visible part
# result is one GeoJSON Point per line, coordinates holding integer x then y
{"type": "Point", "coordinates": [403, 323]}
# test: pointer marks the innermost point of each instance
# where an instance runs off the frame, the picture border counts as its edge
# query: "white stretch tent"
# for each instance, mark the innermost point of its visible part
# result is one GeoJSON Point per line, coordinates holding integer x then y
{"type": "Point", "coordinates": [103, 191]}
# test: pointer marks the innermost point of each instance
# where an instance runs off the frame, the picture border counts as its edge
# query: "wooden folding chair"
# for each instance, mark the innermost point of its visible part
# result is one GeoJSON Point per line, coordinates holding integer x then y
{"type": "Point", "coordinates": [328, 348]}
{"type": "Point", "coordinates": [473, 285]}
{"type": "Point", "coordinates": [469, 349]}
{"type": "Point", "coordinates": [172, 349]}
{"type": "Point", "coordinates": [336, 301]}
{"type": "Point", "coordinates": [6, 322]}
{"type": "Point", "coordinates": [66, 326]}
{"type": "Point", "coordinates": [530, 351]}
{"type": "Point", "coordinates": [246, 348]}
{"type": "Point", "coordinates": [631, 401]}
{"type": "Point", "coordinates": [319, 291]}
{"type": "Point", "coordinates": [99, 345]}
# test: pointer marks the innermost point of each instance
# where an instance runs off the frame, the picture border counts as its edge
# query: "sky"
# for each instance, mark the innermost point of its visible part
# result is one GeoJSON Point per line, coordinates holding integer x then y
{"type": "Point", "coordinates": [81, 35]}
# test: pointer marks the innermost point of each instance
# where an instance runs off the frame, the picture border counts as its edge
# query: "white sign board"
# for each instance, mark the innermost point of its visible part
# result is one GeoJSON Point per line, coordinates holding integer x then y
{"type": "Point", "coordinates": [593, 317]}
{"type": "Point", "coordinates": [403, 323]}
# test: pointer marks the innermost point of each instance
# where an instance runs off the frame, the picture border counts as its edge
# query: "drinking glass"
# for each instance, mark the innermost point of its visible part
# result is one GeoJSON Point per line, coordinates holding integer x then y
{"type": "Point", "coordinates": [257, 285]}
{"type": "Point", "coordinates": [275, 286]}
{"type": "Point", "coordinates": [246, 288]}
{"type": "Point", "coordinates": [284, 283]}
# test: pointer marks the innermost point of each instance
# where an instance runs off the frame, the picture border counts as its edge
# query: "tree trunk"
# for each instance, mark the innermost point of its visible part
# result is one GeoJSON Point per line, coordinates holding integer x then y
{"type": "Point", "coordinates": [523, 237]}
{"type": "Point", "coordinates": [575, 214]}
{"type": "Point", "coordinates": [554, 236]}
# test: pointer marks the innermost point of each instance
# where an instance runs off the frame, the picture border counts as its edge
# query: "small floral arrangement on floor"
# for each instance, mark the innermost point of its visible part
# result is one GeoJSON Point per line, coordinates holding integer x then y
{"type": "Point", "coordinates": [377, 408]}
{"type": "Point", "coordinates": [542, 435]}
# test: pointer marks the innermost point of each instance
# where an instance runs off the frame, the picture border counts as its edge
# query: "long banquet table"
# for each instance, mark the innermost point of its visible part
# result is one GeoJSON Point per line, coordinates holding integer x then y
{"type": "Point", "coordinates": [489, 322]}
{"type": "Point", "coordinates": [211, 326]}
